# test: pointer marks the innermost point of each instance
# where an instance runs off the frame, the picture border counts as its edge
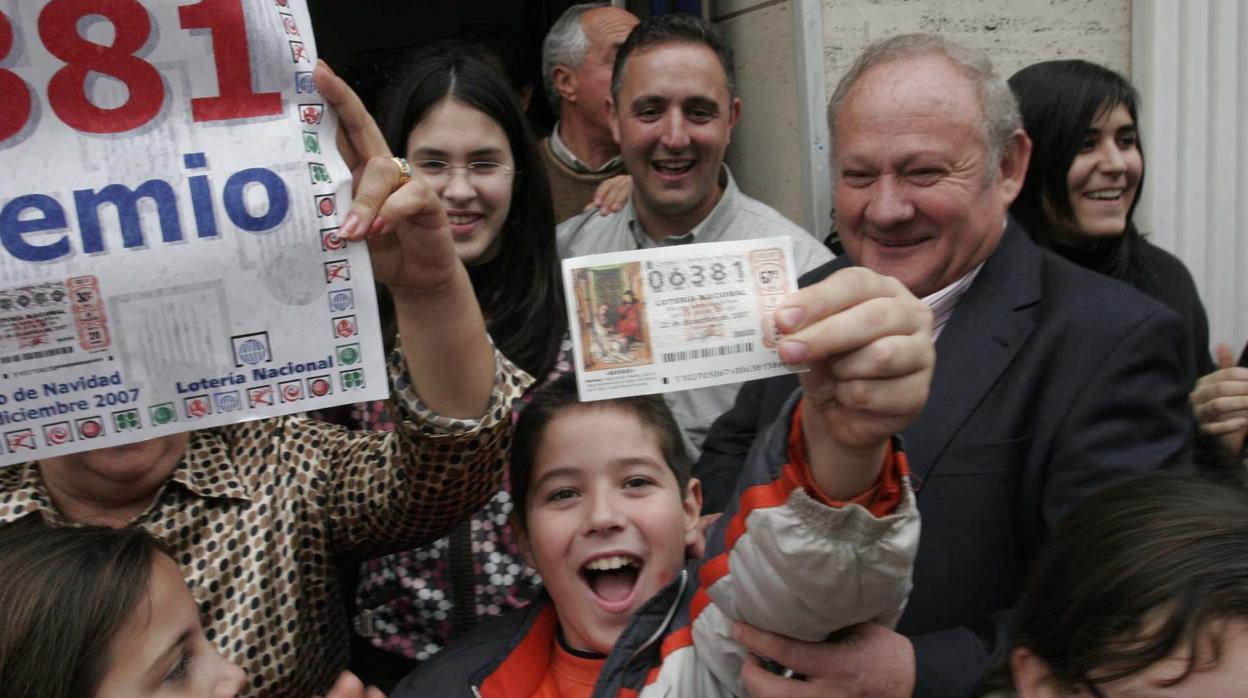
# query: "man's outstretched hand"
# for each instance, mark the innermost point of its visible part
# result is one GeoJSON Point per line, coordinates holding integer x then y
{"type": "Point", "coordinates": [868, 343]}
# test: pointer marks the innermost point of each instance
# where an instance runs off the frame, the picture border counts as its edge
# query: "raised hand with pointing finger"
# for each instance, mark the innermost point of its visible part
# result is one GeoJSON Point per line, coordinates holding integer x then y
{"type": "Point", "coordinates": [448, 353]}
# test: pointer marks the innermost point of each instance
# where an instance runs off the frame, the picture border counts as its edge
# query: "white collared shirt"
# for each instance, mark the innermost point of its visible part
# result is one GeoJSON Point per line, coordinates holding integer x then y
{"type": "Point", "coordinates": [944, 301]}
{"type": "Point", "coordinates": [734, 217]}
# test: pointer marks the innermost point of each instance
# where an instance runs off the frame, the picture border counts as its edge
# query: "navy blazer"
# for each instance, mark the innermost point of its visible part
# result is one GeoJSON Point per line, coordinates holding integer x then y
{"type": "Point", "coordinates": [1050, 381]}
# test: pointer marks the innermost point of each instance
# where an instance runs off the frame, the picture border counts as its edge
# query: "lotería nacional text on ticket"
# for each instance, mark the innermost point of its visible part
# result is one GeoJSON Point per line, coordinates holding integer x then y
{"type": "Point", "coordinates": [675, 318]}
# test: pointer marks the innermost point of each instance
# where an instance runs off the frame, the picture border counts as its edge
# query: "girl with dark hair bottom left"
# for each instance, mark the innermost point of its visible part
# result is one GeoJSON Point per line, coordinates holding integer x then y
{"type": "Point", "coordinates": [461, 128]}
{"type": "Point", "coordinates": [100, 612]}
{"type": "Point", "coordinates": [97, 612]}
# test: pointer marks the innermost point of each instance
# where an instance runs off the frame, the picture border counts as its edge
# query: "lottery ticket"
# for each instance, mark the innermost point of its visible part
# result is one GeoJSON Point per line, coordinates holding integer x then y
{"type": "Point", "coordinates": [675, 318]}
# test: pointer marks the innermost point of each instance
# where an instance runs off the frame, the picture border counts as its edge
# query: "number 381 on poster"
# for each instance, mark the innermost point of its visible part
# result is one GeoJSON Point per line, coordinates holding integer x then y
{"type": "Point", "coordinates": [58, 29]}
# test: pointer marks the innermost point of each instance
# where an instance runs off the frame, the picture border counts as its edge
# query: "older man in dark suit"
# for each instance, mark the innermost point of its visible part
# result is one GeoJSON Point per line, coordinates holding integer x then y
{"type": "Point", "coordinates": [1050, 381]}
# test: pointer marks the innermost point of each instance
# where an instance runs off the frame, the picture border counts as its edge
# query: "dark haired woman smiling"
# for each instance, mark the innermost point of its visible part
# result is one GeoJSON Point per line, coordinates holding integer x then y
{"type": "Point", "coordinates": [462, 129]}
{"type": "Point", "coordinates": [1084, 181]}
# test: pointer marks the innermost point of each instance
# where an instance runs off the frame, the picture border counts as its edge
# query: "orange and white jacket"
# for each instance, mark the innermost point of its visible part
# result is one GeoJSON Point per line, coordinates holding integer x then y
{"type": "Point", "coordinates": [783, 559]}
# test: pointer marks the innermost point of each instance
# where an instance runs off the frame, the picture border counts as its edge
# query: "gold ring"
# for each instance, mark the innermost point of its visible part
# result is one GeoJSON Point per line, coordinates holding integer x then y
{"type": "Point", "coordinates": [405, 170]}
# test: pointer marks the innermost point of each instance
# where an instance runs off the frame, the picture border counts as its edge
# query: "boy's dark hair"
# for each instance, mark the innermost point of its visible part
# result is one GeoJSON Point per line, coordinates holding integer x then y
{"type": "Point", "coordinates": [65, 592]}
{"type": "Point", "coordinates": [560, 395]}
{"type": "Point", "coordinates": [1059, 100]}
{"type": "Point", "coordinates": [675, 28]}
{"type": "Point", "coordinates": [1134, 573]}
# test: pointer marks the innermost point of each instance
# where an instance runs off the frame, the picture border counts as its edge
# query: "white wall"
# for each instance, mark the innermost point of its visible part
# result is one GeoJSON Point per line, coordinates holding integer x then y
{"type": "Point", "coordinates": [1189, 58]}
{"type": "Point", "coordinates": [765, 154]}
{"type": "Point", "coordinates": [1190, 64]}
{"type": "Point", "coordinates": [1014, 33]}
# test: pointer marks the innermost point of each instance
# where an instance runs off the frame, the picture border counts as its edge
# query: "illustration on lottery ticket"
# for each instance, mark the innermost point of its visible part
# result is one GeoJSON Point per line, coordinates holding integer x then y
{"type": "Point", "coordinates": [611, 312]}
{"type": "Point", "coordinates": [675, 318]}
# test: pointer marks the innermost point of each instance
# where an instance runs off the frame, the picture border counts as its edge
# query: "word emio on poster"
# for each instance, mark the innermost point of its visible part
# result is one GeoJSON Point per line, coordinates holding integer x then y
{"type": "Point", "coordinates": [16, 223]}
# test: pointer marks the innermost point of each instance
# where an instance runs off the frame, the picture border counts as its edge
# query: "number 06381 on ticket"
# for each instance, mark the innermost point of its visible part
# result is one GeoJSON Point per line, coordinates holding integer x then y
{"type": "Point", "coordinates": [674, 318]}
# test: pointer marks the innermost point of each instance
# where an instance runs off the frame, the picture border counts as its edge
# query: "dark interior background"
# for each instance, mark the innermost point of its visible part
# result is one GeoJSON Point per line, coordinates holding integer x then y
{"type": "Point", "coordinates": [364, 41]}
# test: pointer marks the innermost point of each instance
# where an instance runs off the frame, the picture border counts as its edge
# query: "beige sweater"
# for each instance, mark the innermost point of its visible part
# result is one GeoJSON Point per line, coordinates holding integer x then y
{"type": "Point", "coordinates": [570, 190]}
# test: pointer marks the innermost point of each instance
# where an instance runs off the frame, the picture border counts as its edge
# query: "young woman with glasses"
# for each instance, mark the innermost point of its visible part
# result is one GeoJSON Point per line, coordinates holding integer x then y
{"type": "Point", "coordinates": [463, 132]}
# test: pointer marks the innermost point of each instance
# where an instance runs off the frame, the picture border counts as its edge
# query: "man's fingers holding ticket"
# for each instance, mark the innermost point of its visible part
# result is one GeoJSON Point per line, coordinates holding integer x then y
{"type": "Point", "coordinates": [889, 356]}
{"type": "Point", "coordinates": [852, 328]}
{"type": "Point", "coordinates": [846, 312]}
{"type": "Point", "coordinates": [868, 343]}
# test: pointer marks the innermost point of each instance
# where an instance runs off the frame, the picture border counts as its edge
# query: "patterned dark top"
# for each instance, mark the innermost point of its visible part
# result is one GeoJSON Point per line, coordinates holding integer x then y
{"type": "Point", "coordinates": [414, 603]}
{"type": "Point", "coordinates": [259, 514]}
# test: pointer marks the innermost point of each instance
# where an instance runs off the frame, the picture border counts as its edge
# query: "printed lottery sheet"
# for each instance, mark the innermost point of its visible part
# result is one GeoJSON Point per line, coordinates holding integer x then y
{"type": "Point", "coordinates": [675, 318]}
{"type": "Point", "coordinates": [169, 200]}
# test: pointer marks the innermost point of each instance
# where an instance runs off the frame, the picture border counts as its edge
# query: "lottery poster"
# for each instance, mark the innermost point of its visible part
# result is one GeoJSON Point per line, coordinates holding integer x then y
{"type": "Point", "coordinates": [170, 195]}
{"type": "Point", "coordinates": [676, 318]}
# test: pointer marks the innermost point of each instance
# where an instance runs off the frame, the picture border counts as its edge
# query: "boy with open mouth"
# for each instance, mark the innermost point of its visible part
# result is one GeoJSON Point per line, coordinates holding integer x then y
{"type": "Point", "coordinates": [822, 536]}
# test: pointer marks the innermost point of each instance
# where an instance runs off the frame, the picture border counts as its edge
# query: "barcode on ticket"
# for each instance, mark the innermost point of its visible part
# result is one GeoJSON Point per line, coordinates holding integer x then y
{"type": "Point", "coordinates": [35, 355]}
{"type": "Point", "coordinates": [708, 352]}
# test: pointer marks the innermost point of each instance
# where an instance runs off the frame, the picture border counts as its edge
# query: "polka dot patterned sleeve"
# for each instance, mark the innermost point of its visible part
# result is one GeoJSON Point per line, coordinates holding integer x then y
{"type": "Point", "coordinates": [260, 515]}
{"type": "Point", "coordinates": [389, 491]}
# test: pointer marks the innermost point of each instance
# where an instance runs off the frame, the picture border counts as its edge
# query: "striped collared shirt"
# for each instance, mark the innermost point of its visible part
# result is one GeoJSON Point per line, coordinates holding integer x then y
{"type": "Point", "coordinates": [944, 301]}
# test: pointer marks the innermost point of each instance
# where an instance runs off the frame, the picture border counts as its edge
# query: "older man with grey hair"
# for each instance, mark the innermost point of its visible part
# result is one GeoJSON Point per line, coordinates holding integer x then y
{"type": "Point", "coordinates": [1051, 381]}
{"type": "Point", "coordinates": [577, 57]}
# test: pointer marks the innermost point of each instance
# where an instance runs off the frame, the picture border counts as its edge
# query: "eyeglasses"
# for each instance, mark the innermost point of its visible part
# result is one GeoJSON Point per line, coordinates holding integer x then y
{"type": "Point", "coordinates": [484, 173]}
